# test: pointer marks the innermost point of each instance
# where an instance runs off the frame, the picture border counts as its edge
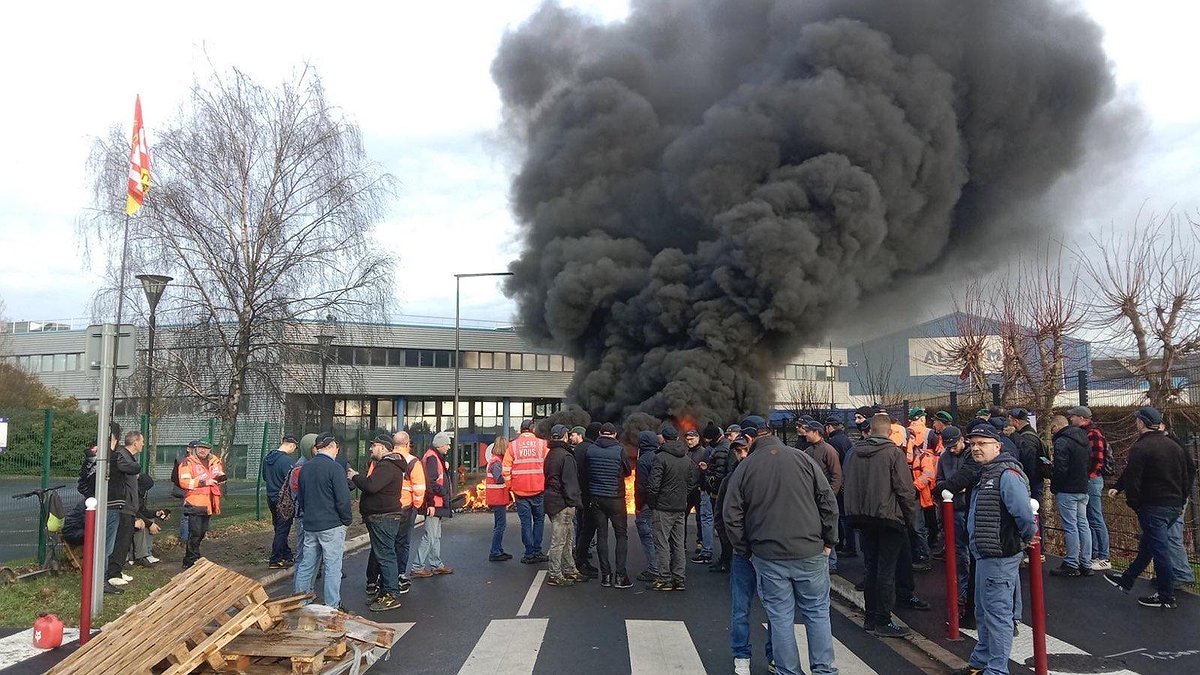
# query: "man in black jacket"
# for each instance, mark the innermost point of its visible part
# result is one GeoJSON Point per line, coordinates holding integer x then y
{"type": "Point", "coordinates": [720, 460]}
{"type": "Point", "coordinates": [608, 465]}
{"type": "Point", "coordinates": [837, 437]}
{"type": "Point", "coordinates": [383, 515]}
{"type": "Point", "coordinates": [275, 469]}
{"type": "Point", "coordinates": [585, 526]}
{"type": "Point", "coordinates": [880, 501]}
{"type": "Point", "coordinates": [561, 499]}
{"type": "Point", "coordinates": [1069, 484]}
{"type": "Point", "coordinates": [648, 445]}
{"type": "Point", "coordinates": [780, 510]}
{"type": "Point", "coordinates": [123, 494]}
{"type": "Point", "coordinates": [672, 479]}
{"type": "Point", "coordinates": [954, 456]}
{"type": "Point", "coordinates": [1030, 451]}
{"type": "Point", "coordinates": [1157, 481]}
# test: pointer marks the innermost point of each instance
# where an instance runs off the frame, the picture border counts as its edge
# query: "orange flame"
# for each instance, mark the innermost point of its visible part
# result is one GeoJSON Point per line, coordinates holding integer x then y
{"type": "Point", "coordinates": [630, 506]}
{"type": "Point", "coordinates": [475, 500]}
{"type": "Point", "coordinates": [685, 423]}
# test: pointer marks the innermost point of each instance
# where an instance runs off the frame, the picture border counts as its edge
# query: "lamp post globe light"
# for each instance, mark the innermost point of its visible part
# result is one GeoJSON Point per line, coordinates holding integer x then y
{"type": "Point", "coordinates": [154, 285]}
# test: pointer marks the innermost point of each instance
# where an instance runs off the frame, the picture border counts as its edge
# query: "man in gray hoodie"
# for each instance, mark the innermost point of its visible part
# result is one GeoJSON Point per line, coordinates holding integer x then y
{"type": "Point", "coordinates": [780, 511]}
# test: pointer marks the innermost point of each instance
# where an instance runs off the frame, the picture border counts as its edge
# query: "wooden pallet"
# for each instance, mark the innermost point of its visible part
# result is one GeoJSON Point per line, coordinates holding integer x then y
{"type": "Point", "coordinates": [177, 628]}
{"type": "Point", "coordinates": [306, 651]}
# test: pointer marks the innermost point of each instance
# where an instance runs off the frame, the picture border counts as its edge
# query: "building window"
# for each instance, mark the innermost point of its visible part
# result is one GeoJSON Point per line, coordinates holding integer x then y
{"type": "Point", "coordinates": [470, 359]}
{"type": "Point", "coordinates": [486, 359]}
{"type": "Point", "coordinates": [395, 357]}
{"type": "Point", "coordinates": [47, 363]}
{"type": "Point", "coordinates": [556, 363]}
{"type": "Point", "coordinates": [529, 362]}
{"type": "Point", "coordinates": [345, 356]}
{"type": "Point", "coordinates": [514, 362]}
{"type": "Point", "coordinates": [543, 361]}
{"type": "Point", "coordinates": [443, 359]}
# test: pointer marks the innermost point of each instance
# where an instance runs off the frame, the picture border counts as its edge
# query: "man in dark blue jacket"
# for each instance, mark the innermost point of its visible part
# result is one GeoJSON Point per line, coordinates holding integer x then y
{"type": "Point", "coordinates": [324, 498]}
{"type": "Point", "coordinates": [1069, 484]}
{"type": "Point", "coordinates": [835, 435]}
{"type": "Point", "coordinates": [276, 466]}
{"type": "Point", "coordinates": [647, 446]}
{"type": "Point", "coordinates": [608, 465]}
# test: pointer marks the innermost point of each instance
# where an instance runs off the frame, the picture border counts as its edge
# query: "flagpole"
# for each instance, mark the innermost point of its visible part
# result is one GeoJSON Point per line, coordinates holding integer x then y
{"type": "Point", "coordinates": [120, 309]}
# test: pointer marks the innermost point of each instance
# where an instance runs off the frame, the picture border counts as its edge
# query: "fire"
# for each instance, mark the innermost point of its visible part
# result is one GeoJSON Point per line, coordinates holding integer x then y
{"type": "Point", "coordinates": [475, 500]}
{"type": "Point", "coordinates": [630, 507]}
{"type": "Point", "coordinates": [686, 423]}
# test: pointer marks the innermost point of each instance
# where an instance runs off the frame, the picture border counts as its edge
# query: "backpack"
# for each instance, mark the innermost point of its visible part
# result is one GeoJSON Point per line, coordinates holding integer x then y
{"type": "Point", "coordinates": [285, 507]}
{"type": "Point", "coordinates": [87, 477]}
{"type": "Point", "coordinates": [1108, 468]}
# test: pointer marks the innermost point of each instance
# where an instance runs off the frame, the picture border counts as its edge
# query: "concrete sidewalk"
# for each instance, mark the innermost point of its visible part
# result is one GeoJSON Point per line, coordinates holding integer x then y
{"type": "Point", "coordinates": [1091, 626]}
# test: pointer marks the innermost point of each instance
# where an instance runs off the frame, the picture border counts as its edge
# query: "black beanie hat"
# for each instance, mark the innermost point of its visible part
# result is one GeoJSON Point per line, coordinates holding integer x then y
{"type": "Point", "coordinates": [711, 432]}
{"type": "Point", "coordinates": [593, 431]}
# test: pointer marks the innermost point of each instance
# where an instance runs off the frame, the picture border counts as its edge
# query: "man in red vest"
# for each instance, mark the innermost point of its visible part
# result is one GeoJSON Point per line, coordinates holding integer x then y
{"type": "Point", "coordinates": [524, 472]}
{"type": "Point", "coordinates": [437, 506]}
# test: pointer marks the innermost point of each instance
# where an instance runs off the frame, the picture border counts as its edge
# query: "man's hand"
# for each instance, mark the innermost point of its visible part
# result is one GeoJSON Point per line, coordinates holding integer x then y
{"type": "Point", "coordinates": [351, 473]}
{"type": "Point", "coordinates": [1112, 492]}
{"type": "Point", "coordinates": [703, 466]}
{"type": "Point", "coordinates": [431, 511]}
{"type": "Point", "coordinates": [138, 524]}
{"type": "Point", "coordinates": [154, 528]}
{"type": "Point", "coordinates": [828, 550]}
{"type": "Point", "coordinates": [1037, 539]}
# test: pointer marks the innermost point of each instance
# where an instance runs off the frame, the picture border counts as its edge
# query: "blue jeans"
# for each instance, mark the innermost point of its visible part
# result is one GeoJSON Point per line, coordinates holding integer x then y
{"type": "Point", "coordinates": [1179, 556]}
{"type": "Point", "coordinates": [499, 523]}
{"type": "Point", "coordinates": [280, 550]}
{"type": "Point", "coordinates": [706, 523]}
{"type": "Point", "coordinates": [1095, 517]}
{"type": "Point", "coordinates": [918, 537]}
{"type": "Point", "coordinates": [112, 520]}
{"type": "Point", "coordinates": [997, 581]}
{"type": "Point", "coordinates": [328, 546]}
{"type": "Point", "coordinates": [383, 533]}
{"type": "Point", "coordinates": [742, 585]}
{"type": "Point", "coordinates": [788, 585]}
{"type": "Point", "coordinates": [532, 512]}
{"type": "Point", "coordinates": [299, 539]}
{"type": "Point", "coordinates": [1155, 521]}
{"type": "Point", "coordinates": [1072, 510]}
{"type": "Point", "coordinates": [644, 521]}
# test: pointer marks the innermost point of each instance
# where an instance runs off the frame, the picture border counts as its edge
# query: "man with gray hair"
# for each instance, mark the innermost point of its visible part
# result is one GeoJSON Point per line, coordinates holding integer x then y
{"type": "Point", "coordinates": [436, 507]}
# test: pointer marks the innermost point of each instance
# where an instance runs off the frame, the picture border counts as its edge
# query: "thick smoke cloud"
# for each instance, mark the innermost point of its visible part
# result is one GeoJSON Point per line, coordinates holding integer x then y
{"type": "Point", "coordinates": [709, 185]}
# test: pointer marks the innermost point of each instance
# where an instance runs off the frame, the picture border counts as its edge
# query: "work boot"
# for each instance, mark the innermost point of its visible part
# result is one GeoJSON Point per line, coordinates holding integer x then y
{"type": "Point", "coordinates": [623, 581]}
{"type": "Point", "coordinates": [606, 580]}
{"type": "Point", "coordinates": [559, 581]}
{"type": "Point", "coordinates": [384, 602]}
{"type": "Point", "coordinates": [890, 630]}
{"type": "Point", "coordinates": [1065, 570]}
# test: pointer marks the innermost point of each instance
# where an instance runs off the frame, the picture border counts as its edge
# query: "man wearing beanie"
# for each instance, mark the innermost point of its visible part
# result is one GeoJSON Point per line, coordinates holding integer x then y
{"type": "Point", "coordinates": [1157, 481]}
{"type": "Point", "coordinates": [562, 498]}
{"type": "Point", "coordinates": [384, 516]}
{"type": "Point", "coordinates": [437, 506]}
{"type": "Point", "coordinates": [585, 531]}
{"type": "Point", "coordinates": [720, 463]}
{"type": "Point", "coordinates": [672, 479]}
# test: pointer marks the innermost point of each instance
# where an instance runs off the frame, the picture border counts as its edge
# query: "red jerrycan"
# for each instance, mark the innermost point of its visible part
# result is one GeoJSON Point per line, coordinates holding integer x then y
{"type": "Point", "coordinates": [47, 631]}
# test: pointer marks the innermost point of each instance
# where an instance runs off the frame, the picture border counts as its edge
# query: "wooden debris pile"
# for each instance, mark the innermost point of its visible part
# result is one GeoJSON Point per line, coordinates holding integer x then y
{"type": "Point", "coordinates": [211, 619]}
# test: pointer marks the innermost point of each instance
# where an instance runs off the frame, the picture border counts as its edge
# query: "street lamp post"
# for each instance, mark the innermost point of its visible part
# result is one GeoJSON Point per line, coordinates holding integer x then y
{"type": "Point", "coordinates": [457, 345]}
{"type": "Point", "coordinates": [324, 341]}
{"type": "Point", "coordinates": [153, 285]}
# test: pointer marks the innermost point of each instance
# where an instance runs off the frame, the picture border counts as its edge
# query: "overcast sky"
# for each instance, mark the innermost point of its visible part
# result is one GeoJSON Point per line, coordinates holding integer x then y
{"type": "Point", "coordinates": [415, 77]}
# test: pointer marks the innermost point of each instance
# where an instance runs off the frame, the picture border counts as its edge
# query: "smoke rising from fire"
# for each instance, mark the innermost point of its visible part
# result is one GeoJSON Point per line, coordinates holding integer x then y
{"type": "Point", "coordinates": [708, 185]}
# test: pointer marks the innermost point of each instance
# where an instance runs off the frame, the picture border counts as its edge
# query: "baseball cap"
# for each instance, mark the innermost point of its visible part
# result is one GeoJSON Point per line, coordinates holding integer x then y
{"type": "Point", "coordinates": [526, 425]}
{"type": "Point", "coordinates": [950, 435]}
{"type": "Point", "coordinates": [1080, 411]}
{"type": "Point", "coordinates": [834, 421]}
{"type": "Point", "coordinates": [608, 428]}
{"type": "Point", "coordinates": [742, 439]}
{"type": "Point", "coordinates": [669, 432]}
{"type": "Point", "coordinates": [288, 438]}
{"type": "Point", "coordinates": [1019, 414]}
{"type": "Point", "coordinates": [441, 438]}
{"type": "Point", "coordinates": [984, 431]}
{"type": "Point", "coordinates": [815, 426]}
{"type": "Point", "coordinates": [692, 433]}
{"type": "Point", "coordinates": [324, 439]}
{"type": "Point", "coordinates": [1151, 417]}
{"type": "Point", "coordinates": [916, 412]}
{"type": "Point", "coordinates": [734, 429]}
{"type": "Point", "coordinates": [578, 430]}
{"type": "Point", "coordinates": [944, 416]}
{"type": "Point", "coordinates": [559, 431]}
{"type": "Point", "coordinates": [753, 422]}
{"type": "Point", "coordinates": [384, 440]}
{"type": "Point", "coordinates": [982, 412]}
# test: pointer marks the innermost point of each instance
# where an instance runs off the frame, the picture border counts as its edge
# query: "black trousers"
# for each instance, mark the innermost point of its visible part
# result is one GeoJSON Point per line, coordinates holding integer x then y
{"type": "Point", "coordinates": [605, 511]}
{"type": "Point", "coordinates": [401, 539]}
{"type": "Point", "coordinates": [905, 584]}
{"type": "Point", "coordinates": [726, 558]}
{"type": "Point", "coordinates": [587, 532]}
{"type": "Point", "coordinates": [881, 550]}
{"type": "Point", "coordinates": [197, 528]}
{"type": "Point", "coordinates": [116, 561]}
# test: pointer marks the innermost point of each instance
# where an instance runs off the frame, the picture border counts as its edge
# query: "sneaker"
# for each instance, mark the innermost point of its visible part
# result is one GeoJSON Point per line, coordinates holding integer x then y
{"type": "Point", "coordinates": [771, 668]}
{"type": "Point", "coordinates": [576, 577]}
{"type": "Point", "coordinates": [278, 565]}
{"type": "Point", "coordinates": [506, 556]}
{"type": "Point", "coordinates": [529, 560]}
{"type": "Point", "coordinates": [1085, 571]}
{"type": "Point", "coordinates": [109, 589]}
{"type": "Point", "coordinates": [151, 559]}
{"type": "Point", "coordinates": [702, 558]}
{"type": "Point", "coordinates": [606, 580]}
{"type": "Point", "coordinates": [1065, 570]}
{"type": "Point", "coordinates": [383, 603]}
{"type": "Point", "coordinates": [922, 566]}
{"type": "Point", "coordinates": [444, 569]}
{"type": "Point", "coordinates": [890, 630]}
{"type": "Point", "coordinates": [540, 557]}
{"type": "Point", "coordinates": [420, 574]}
{"type": "Point", "coordinates": [914, 603]}
{"type": "Point", "coordinates": [126, 577]}
{"type": "Point", "coordinates": [143, 562]}
{"type": "Point", "coordinates": [741, 667]}
{"type": "Point", "coordinates": [372, 590]}
{"type": "Point", "coordinates": [623, 581]}
{"type": "Point", "coordinates": [1101, 564]}
{"type": "Point", "coordinates": [680, 586]}
{"type": "Point", "coordinates": [647, 575]}
{"type": "Point", "coordinates": [660, 585]}
{"type": "Point", "coordinates": [404, 586]}
{"type": "Point", "coordinates": [496, 557]}
{"type": "Point", "coordinates": [117, 581]}
{"type": "Point", "coordinates": [1115, 580]}
{"type": "Point", "coordinates": [1157, 601]}
{"type": "Point", "coordinates": [559, 581]}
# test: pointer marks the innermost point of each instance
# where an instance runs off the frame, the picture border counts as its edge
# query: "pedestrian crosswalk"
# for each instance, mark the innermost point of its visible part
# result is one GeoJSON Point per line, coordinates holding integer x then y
{"type": "Point", "coordinates": [1022, 649]}
{"type": "Point", "coordinates": [507, 647]}
{"type": "Point", "coordinates": [848, 663]}
{"type": "Point", "coordinates": [661, 647]}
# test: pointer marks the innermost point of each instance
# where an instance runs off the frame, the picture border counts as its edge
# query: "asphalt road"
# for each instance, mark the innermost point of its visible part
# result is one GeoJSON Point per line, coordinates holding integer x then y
{"type": "Point", "coordinates": [466, 615]}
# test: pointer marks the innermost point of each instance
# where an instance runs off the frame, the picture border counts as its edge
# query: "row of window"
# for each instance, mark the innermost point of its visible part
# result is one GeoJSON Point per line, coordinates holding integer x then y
{"type": "Point", "coordinates": [431, 358]}
{"type": "Point", "coordinates": [49, 363]}
{"type": "Point", "coordinates": [807, 373]}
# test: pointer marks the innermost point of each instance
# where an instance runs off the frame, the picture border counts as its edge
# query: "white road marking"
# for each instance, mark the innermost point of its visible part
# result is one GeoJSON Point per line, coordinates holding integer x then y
{"type": "Point", "coordinates": [1022, 648]}
{"type": "Point", "coordinates": [19, 646]}
{"type": "Point", "coordinates": [847, 662]}
{"type": "Point", "coordinates": [531, 595]}
{"type": "Point", "coordinates": [507, 647]}
{"type": "Point", "coordinates": [661, 647]}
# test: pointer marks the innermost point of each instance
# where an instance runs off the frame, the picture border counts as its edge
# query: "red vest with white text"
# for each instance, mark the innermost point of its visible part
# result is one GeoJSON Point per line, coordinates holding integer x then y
{"type": "Point", "coordinates": [528, 454]}
{"type": "Point", "coordinates": [496, 491]}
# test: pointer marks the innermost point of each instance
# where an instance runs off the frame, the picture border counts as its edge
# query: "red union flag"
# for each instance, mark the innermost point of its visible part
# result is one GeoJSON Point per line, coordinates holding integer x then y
{"type": "Point", "coordinates": [139, 163]}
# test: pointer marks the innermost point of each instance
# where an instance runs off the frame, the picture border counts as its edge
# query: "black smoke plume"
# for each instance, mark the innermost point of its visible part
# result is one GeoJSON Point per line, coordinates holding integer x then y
{"type": "Point", "coordinates": [708, 185]}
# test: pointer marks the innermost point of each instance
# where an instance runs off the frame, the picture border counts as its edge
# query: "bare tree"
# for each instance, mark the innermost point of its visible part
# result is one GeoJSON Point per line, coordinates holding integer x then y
{"type": "Point", "coordinates": [974, 332]}
{"type": "Point", "coordinates": [804, 396]}
{"type": "Point", "coordinates": [262, 207]}
{"type": "Point", "coordinates": [880, 380]}
{"type": "Point", "coordinates": [1147, 296]}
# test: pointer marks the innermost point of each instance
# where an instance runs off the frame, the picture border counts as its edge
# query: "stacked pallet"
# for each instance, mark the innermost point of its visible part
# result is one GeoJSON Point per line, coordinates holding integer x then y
{"type": "Point", "coordinates": [209, 618]}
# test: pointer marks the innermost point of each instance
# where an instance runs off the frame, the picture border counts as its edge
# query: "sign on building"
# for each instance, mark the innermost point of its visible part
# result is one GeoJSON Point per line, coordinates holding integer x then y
{"type": "Point", "coordinates": [937, 356]}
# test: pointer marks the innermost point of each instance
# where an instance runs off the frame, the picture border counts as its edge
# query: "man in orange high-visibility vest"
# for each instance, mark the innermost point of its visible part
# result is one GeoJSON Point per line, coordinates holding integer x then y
{"type": "Point", "coordinates": [200, 476]}
{"type": "Point", "coordinates": [428, 560]}
{"type": "Point", "coordinates": [524, 472]}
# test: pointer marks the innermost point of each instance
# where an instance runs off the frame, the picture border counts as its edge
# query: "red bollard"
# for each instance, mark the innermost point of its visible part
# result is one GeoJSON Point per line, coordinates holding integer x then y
{"type": "Point", "coordinates": [89, 550]}
{"type": "Point", "coordinates": [1037, 598]}
{"type": "Point", "coordinates": [951, 565]}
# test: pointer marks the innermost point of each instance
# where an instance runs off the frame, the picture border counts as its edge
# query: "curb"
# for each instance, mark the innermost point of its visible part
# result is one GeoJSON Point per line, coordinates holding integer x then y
{"type": "Point", "coordinates": [361, 541]}
{"type": "Point", "coordinates": [844, 588]}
